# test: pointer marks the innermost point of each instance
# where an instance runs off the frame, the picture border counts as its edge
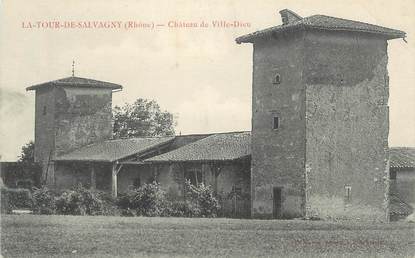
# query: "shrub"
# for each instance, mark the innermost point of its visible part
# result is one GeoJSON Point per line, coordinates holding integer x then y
{"type": "Point", "coordinates": [43, 201]}
{"type": "Point", "coordinates": [5, 204]}
{"type": "Point", "coordinates": [17, 198]}
{"type": "Point", "coordinates": [151, 200]}
{"type": "Point", "coordinates": [79, 201]}
{"type": "Point", "coordinates": [200, 200]}
{"type": "Point", "coordinates": [178, 208]}
{"type": "Point", "coordinates": [109, 207]}
{"type": "Point", "coordinates": [148, 200]}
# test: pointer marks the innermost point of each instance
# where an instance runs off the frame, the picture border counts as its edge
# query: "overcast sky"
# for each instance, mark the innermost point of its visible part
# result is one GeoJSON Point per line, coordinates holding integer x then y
{"type": "Point", "coordinates": [199, 74]}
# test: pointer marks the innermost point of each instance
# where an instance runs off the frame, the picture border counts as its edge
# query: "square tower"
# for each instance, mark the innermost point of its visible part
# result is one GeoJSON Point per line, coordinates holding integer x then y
{"type": "Point", "coordinates": [70, 113]}
{"type": "Point", "coordinates": [320, 118]}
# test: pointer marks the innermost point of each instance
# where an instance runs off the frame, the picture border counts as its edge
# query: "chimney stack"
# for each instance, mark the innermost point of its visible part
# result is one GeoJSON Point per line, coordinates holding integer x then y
{"type": "Point", "coordinates": [288, 16]}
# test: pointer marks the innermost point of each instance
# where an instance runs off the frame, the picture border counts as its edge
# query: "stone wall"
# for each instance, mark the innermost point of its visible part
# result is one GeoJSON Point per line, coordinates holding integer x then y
{"type": "Point", "coordinates": [68, 118]}
{"type": "Point", "coordinates": [83, 116]}
{"type": "Point", "coordinates": [131, 173]}
{"type": "Point", "coordinates": [347, 126]}
{"type": "Point", "coordinates": [278, 154]}
{"type": "Point", "coordinates": [70, 174]}
{"type": "Point", "coordinates": [170, 176]}
{"type": "Point", "coordinates": [45, 129]}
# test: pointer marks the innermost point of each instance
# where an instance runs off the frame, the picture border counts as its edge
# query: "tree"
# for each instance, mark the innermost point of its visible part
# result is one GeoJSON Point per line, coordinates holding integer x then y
{"type": "Point", "coordinates": [142, 118]}
{"type": "Point", "coordinates": [28, 153]}
{"type": "Point", "coordinates": [25, 172]}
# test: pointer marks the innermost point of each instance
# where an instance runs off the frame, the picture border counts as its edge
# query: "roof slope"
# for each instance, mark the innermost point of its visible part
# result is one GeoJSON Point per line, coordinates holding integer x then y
{"type": "Point", "coordinates": [77, 82]}
{"type": "Point", "coordinates": [402, 157]}
{"type": "Point", "coordinates": [112, 150]}
{"type": "Point", "coordinates": [324, 22]}
{"type": "Point", "coordinates": [398, 207]}
{"type": "Point", "coordinates": [218, 147]}
{"type": "Point", "coordinates": [215, 147]}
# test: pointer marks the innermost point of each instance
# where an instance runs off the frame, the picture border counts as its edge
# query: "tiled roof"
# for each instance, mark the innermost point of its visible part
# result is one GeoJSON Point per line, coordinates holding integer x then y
{"type": "Point", "coordinates": [323, 22]}
{"type": "Point", "coordinates": [77, 82]}
{"type": "Point", "coordinates": [402, 157]}
{"type": "Point", "coordinates": [399, 207]}
{"type": "Point", "coordinates": [217, 147]}
{"type": "Point", "coordinates": [112, 150]}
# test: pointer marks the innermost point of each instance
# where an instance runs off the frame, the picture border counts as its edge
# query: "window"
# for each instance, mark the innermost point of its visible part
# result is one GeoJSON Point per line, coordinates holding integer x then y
{"type": "Point", "coordinates": [277, 202]}
{"type": "Point", "coordinates": [348, 193]}
{"type": "Point", "coordinates": [275, 122]}
{"type": "Point", "coordinates": [393, 175]}
{"type": "Point", "coordinates": [277, 79]}
{"type": "Point", "coordinates": [44, 110]}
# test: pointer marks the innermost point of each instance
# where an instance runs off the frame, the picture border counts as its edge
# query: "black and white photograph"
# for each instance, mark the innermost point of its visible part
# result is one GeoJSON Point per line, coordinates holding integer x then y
{"type": "Point", "coordinates": [221, 128]}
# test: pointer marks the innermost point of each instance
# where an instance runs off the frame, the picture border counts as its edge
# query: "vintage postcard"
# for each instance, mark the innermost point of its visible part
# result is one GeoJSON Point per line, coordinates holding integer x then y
{"type": "Point", "coordinates": [207, 128]}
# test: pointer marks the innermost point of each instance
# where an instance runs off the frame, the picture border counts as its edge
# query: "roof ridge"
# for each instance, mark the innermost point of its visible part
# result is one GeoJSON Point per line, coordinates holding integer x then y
{"type": "Point", "coordinates": [348, 20]}
{"type": "Point", "coordinates": [214, 133]}
{"type": "Point", "coordinates": [324, 22]}
{"type": "Point", "coordinates": [144, 137]}
{"type": "Point", "coordinates": [232, 132]}
{"type": "Point", "coordinates": [111, 150]}
{"type": "Point", "coordinates": [76, 81]}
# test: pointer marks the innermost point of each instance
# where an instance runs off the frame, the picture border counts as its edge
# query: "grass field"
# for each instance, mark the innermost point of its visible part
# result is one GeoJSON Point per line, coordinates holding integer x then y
{"type": "Point", "coordinates": [73, 236]}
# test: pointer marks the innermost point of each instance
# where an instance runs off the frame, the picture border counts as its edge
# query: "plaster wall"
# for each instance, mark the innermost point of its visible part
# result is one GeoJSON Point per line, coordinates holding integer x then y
{"type": "Point", "coordinates": [83, 116]}
{"type": "Point", "coordinates": [347, 126]}
{"type": "Point", "coordinates": [278, 154]}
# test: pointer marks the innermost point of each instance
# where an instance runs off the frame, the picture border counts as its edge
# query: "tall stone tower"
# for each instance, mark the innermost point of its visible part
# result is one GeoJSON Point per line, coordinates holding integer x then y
{"type": "Point", "coordinates": [320, 118]}
{"type": "Point", "coordinates": [70, 113]}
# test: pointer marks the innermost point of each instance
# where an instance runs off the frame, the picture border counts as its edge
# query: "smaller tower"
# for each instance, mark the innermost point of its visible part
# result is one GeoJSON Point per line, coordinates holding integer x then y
{"type": "Point", "coordinates": [70, 113]}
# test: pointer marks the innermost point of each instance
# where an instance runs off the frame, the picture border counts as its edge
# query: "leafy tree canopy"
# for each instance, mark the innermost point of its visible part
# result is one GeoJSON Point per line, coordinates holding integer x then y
{"type": "Point", "coordinates": [142, 118]}
{"type": "Point", "coordinates": [28, 153]}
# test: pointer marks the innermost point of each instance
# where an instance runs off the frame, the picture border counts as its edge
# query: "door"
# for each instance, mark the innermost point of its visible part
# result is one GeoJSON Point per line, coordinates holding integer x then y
{"type": "Point", "coordinates": [277, 202]}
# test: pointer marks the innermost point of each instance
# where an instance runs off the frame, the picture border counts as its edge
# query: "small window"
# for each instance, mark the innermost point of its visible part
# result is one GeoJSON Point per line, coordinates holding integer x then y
{"type": "Point", "coordinates": [44, 110]}
{"type": "Point", "coordinates": [277, 79]}
{"type": "Point", "coordinates": [348, 193]}
{"type": "Point", "coordinates": [275, 122]}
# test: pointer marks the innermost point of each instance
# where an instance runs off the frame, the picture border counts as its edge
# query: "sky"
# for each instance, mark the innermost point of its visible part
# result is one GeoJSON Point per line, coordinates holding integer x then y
{"type": "Point", "coordinates": [198, 73]}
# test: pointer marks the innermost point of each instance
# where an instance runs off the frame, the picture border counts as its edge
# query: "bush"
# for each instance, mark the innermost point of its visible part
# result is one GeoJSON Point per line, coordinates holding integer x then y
{"type": "Point", "coordinates": [5, 204]}
{"type": "Point", "coordinates": [18, 198]}
{"type": "Point", "coordinates": [178, 209]}
{"type": "Point", "coordinates": [200, 200]}
{"type": "Point", "coordinates": [43, 201]}
{"type": "Point", "coordinates": [148, 200]}
{"type": "Point", "coordinates": [109, 207]}
{"type": "Point", "coordinates": [79, 201]}
{"type": "Point", "coordinates": [151, 200]}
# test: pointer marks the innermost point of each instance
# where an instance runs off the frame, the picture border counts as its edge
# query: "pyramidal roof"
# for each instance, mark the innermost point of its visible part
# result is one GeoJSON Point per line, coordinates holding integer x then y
{"type": "Point", "coordinates": [292, 21]}
{"type": "Point", "coordinates": [76, 82]}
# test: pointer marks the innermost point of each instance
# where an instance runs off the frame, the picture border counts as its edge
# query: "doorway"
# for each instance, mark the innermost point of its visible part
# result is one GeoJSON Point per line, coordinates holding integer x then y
{"type": "Point", "coordinates": [277, 203]}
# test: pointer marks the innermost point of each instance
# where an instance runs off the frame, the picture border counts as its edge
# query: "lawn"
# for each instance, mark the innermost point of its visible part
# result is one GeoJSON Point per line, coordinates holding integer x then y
{"type": "Point", "coordinates": [76, 236]}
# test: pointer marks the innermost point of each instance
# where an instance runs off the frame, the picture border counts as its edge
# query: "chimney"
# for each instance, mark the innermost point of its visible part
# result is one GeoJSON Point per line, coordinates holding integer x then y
{"type": "Point", "coordinates": [288, 17]}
